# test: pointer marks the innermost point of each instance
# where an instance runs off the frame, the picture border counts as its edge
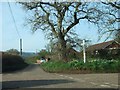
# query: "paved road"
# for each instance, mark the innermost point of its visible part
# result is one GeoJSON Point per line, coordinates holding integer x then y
{"type": "Point", "coordinates": [34, 77]}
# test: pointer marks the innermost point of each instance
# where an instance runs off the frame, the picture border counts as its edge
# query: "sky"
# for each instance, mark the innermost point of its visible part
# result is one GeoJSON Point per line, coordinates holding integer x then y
{"type": "Point", "coordinates": [32, 41]}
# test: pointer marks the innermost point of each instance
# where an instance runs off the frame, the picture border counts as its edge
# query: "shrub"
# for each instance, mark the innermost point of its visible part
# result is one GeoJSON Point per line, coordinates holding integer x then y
{"type": "Point", "coordinates": [31, 60]}
{"type": "Point", "coordinates": [43, 53]}
{"type": "Point", "coordinates": [96, 65]}
{"type": "Point", "coordinates": [13, 51]}
{"type": "Point", "coordinates": [55, 66]}
{"type": "Point", "coordinates": [75, 64]}
{"type": "Point", "coordinates": [12, 63]}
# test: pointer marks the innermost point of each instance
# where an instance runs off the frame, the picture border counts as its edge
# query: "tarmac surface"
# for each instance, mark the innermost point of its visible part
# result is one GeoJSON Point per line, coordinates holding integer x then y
{"type": "Point", "coordinates": [34, 77]}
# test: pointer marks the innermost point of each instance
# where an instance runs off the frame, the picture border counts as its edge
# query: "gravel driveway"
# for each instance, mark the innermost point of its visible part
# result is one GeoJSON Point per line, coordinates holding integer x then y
{"type": "Point", "coordinates": [34, 77]}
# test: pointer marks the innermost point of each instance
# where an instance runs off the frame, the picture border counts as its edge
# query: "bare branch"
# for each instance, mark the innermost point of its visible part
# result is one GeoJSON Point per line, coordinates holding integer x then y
{"type": "Point", "coordinates": [76, 21]}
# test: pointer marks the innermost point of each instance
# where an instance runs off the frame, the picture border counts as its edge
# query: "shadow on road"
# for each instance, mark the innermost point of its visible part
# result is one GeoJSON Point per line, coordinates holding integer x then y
{"type": "Point", "coordinates": [32, 83]}
{"type": "Point", "coordinates": [28, 68]}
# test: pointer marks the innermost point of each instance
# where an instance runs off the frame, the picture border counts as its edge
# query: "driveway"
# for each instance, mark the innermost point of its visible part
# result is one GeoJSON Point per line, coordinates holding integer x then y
{"type": "Point", "coordinates": [34, 77]}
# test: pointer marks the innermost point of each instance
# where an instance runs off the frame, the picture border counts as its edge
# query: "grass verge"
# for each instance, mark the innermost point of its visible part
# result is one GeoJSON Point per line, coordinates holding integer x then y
{"type": "Point", "coordinates": [93, 66]}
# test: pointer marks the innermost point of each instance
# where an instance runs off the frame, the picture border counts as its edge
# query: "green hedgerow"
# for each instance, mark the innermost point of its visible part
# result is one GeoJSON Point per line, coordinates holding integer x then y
{"type": "Point", "coordinates": [94, 65]}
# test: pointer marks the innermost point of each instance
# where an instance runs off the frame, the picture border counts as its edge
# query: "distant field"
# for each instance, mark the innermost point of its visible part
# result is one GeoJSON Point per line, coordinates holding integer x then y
{"type": "Point", "coordinates": [28, 54]}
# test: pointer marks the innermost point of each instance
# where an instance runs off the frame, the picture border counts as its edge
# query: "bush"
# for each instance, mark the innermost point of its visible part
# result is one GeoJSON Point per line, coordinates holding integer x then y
{"type": "Point", "coordinates": [12, 62]}
{"type": "Point", "coordinates": [55, 66]}
{"type": "Point", "coordinates": [75, 64]}
{"type": "Point", "coordinates": [13, 51]}
{"type": "Point", "coordinates": [96, 65]}
{"type": "Point", "coordinates": [43, 53]}
{"type": "Point", "coordinates": [31, 60]}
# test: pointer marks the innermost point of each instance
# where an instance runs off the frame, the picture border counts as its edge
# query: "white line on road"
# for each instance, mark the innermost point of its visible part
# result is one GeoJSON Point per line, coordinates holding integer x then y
{"type": "Point", "coordinates": [76, 79]}
{"type": "Point", "coordinates": [105, 86]}
{"type": "Point", "coordinates": [84, 80]}
{"type": "Point", "coordinates": [107, 83]}
{"type": "Point", "coordinates": [71, 77]}
{"type": "Point", "coordinates": [61, 75]}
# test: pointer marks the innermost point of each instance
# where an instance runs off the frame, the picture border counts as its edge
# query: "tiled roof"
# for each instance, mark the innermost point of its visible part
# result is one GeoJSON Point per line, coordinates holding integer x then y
{"type": "Point", "coordinates": [99, 46]}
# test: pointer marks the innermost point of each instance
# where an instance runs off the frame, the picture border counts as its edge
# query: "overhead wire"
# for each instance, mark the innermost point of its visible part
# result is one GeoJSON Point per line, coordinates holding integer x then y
{"type": "Point", "coordinates": [14, 20]}
{"type": "Point", "coordinates": [16, 28]}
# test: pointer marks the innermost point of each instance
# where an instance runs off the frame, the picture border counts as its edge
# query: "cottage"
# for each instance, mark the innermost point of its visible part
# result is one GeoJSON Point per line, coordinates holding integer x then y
{"type": "Point", "coordinates": [106, 48]}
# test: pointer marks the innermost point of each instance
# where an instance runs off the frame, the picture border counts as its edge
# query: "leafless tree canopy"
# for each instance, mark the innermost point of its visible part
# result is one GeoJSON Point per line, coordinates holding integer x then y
{"type": "Point", "coordinates": [57, 19]}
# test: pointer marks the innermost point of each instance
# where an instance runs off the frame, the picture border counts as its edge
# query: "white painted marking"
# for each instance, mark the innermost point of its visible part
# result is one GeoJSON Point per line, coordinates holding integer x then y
{"type": "Point", "coordinates": [93, 83]}
{"type": "Point", "coordinates": [104, 85]}
{"type": "Point", "coordinates": [61, 75]}
{"type": "Point", "coordinates": [76, 79]}
{"type": "Point", "coordinates": [71, 77]}
{"type": "Point", "coordinates": [81, 80]}
{"type": "Point", "coordinates": [107, 83]}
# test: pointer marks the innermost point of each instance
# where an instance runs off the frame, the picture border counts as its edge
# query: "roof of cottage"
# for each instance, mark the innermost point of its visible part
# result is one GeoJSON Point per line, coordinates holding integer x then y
{"type": "Point", "coordinates": [102, 45]}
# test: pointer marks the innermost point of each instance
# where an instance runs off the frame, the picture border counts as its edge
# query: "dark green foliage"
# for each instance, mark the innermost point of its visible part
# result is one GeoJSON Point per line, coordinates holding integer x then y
{"type": "Point", "coordinates": [13, 51]}
{"type": "Point", "coordinates": [75, 64]}
{"type": "Point", "coordinates": [55, 66]}
{"type": "Point", "coordinates": [31, 60]}
{"type": "Point", "coordinates": [105, 54]}
{"type": "Point", "coordinates": [12, 63]}
{"type": "Point", "coordinates": [98, 65]}
{"type": "Point", "coordinates": [43, 53]}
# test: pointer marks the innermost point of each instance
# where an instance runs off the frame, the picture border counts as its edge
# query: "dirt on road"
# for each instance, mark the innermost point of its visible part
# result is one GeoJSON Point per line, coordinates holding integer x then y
{"type": "Point", "coordinates": [34, 77]}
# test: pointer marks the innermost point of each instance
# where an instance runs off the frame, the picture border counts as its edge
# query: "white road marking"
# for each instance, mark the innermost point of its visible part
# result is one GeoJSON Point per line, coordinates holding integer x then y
{"type": "Point", "coordinates": [105, 86]}
{"type": "Point", "coordinates": [81, 80]}
{"type": "Point", "coordinates": [71, 77]}
{"type": "Point", "coordinates": [112, 84]}
{"type": "Point", "coordinates": [76, 79]}
{"type": "Point", "coordinates": [61, 75]}
{"type": "Point", "coordinates": [107, 83]}
{"type": "Point", "coordinates": [93, 83]}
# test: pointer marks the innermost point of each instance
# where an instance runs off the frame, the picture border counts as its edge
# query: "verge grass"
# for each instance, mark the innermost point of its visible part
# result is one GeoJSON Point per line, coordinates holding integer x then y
{"type": "Point", "coordinates": [94, 66]}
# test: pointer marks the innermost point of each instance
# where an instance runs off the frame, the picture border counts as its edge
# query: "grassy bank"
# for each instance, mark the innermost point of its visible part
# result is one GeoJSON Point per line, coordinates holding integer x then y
{"type": "Point", "coordinates": [93, 66]}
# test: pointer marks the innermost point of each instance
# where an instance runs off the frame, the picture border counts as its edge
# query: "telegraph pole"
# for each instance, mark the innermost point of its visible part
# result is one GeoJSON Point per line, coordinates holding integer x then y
{"type": "Point", "coordinates": [20, 46]}
{"type": "Point", "coordinates": [84, 53]}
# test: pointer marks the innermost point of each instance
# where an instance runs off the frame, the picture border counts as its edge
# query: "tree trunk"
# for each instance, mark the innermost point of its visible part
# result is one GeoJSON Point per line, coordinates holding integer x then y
{"type": "Point", "coordinates": [62, 48]}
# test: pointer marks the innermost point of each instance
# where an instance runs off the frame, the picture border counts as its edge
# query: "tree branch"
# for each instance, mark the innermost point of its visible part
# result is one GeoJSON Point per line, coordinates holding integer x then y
{"type": "Point", "coordinates": [73, 24]}
{"type": "Point", "coordinates": [47, 19]}
{"type": "Point", "coordinates": [112, 4]}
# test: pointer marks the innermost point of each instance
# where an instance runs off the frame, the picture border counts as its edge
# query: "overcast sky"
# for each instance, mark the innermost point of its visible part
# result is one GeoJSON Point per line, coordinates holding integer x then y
{"type": "Point", "coordinates": [36, 41]}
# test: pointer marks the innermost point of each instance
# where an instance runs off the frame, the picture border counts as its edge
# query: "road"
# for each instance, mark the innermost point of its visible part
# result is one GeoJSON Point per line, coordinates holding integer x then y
{"type": "Point", "coordinates": [34, 77]}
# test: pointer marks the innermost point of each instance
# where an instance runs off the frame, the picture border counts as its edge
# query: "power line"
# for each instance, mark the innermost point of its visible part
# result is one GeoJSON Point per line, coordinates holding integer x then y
{"type": "Point", "coordinates": [14, 20]}
{"type": "Point", "coordinates": [16, 28]}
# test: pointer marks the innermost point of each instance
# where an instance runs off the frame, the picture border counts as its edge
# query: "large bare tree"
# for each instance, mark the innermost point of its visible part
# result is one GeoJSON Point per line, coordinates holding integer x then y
{"type": "Point", "coordinates": [57, 19]}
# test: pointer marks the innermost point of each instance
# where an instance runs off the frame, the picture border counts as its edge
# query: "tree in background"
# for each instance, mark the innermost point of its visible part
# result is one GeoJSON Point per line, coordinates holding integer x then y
{"type": "Point", "coordinates": [13, 51]}
{"type": "Point", "coordinates": [57, 19]}
{"type": "Point", "coordinates": [115, 30]}
{"type": "Point", "coordinates": [111, 26]}
{"type": "Point", "coordinates": [43, 53]}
